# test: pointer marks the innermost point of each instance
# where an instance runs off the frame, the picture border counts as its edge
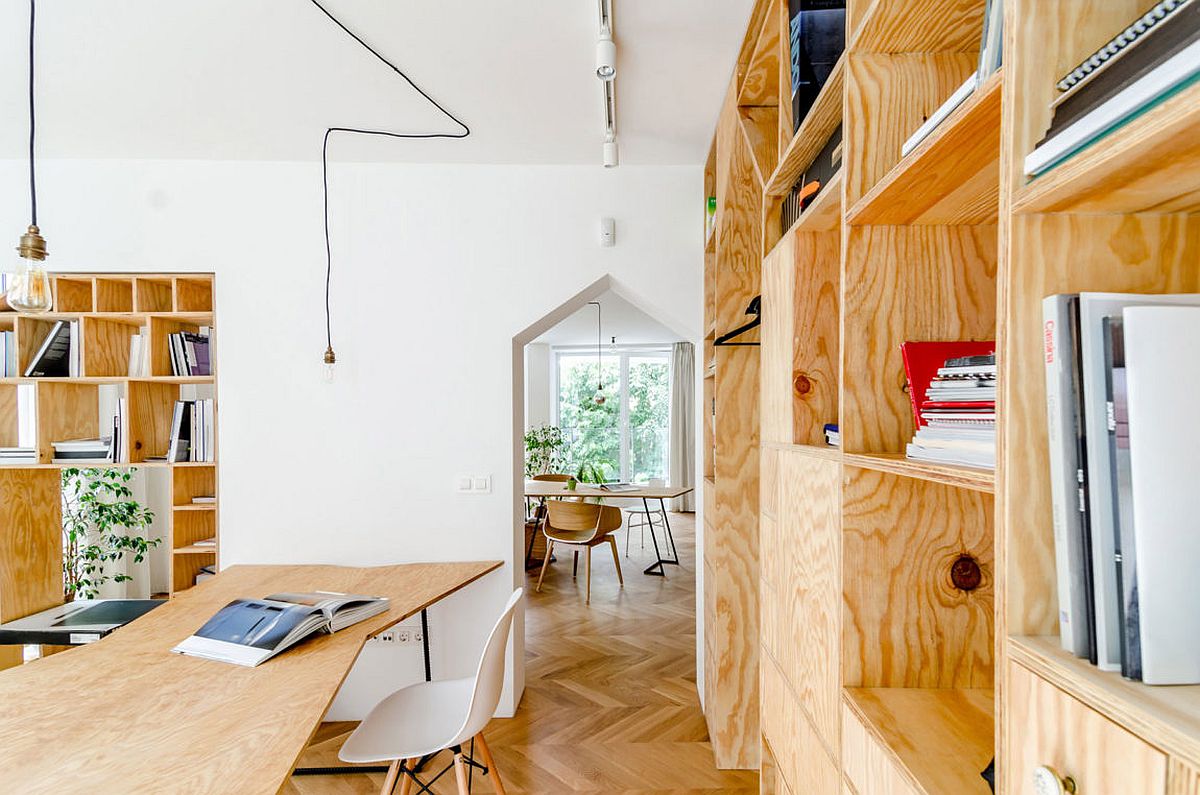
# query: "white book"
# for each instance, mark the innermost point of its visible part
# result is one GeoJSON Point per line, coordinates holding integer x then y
{"type": "Point", "coordinates": [1168, 75]}
{"type": "Point", "coordinates": [1066, 474]}
{"type": "Point", "coordinates": [957, 98]}
{"type": "Point", "coordinates": [135, 356]}
{"type": "Point", "coordinates": [1162, 368]}
{"type": "Point", "coordinates": [1093, 308]}
{"type": "Point", "coordinates": [73, 351]}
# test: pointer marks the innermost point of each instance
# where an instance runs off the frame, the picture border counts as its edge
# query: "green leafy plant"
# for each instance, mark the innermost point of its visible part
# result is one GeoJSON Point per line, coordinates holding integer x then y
{"type": "Point", "coordinates": [590, 473]}
{"type": "Point", "coordinates": [102, 524]}
{"type": "Point", "coordinates": [543, 450]}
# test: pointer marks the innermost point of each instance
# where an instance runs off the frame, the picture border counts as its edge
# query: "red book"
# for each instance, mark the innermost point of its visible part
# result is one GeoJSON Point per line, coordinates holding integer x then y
{"type": "Point", "coordinates": [921, 363]}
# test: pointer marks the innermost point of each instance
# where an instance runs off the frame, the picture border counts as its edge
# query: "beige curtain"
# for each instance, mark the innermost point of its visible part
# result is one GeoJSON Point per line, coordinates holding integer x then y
{"type": "Point", "coordinates": [683, 431]}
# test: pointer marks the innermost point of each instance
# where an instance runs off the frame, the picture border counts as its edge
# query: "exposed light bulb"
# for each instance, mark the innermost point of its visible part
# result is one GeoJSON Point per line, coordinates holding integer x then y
{"type": "Point", "coordinates": [599, 399]}
{"type": "Point", "coordinates": [330, 367]}
{"type": "Point", "coordinates": [29, 290]}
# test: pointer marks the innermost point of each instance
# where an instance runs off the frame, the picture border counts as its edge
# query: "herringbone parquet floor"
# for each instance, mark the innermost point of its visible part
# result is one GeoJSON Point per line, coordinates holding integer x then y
{"type": "Point", "coordinates": [610, 695]}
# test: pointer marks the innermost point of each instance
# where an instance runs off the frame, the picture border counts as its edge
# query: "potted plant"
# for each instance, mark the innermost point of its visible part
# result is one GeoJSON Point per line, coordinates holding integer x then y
{"type": "Point", "coordinates": [102, 524]}
{"type": "Point", "coordinates": [543, 450]}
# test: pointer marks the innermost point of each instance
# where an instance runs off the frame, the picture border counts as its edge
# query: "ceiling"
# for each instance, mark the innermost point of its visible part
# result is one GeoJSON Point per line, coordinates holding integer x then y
{"type": "Point", "coordinates": [619, 318]}
{"type": "Point", "coordinates": [262, 79]}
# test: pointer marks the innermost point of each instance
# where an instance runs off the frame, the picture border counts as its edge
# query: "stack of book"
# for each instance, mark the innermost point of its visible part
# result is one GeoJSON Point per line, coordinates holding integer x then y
{"type": "Point", "coordinates": [190, 353]}
{"type": "Point", "coordinates": [192, 431]}
{"type": "Point", "coordinates": [8, 354]}
{"type": "Point", "coordinates": [989, 61]}
{"type": "Point", "coordinates": [1154, 57]}
{"type": "Point", "coordinates": [58, 355]}
{"type": "Point", "coordinates": [139, 353]}
{"type": "Point", "coordinates": [952, 386]}
{"type": "Point", "coordinates": [10, 456]}
{"type": "Point", "coordinates": [83, 451]}
{"type": "Point", "coordinates": [1122, 373]}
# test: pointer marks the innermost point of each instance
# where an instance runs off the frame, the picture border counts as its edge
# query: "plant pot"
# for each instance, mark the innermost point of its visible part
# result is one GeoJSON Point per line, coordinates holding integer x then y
{"type": "Point", "coordinates": [571, 484]}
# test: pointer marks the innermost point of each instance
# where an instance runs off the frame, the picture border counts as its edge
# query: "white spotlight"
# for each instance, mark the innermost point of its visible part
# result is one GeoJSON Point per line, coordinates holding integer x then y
{"type": "Point", "coordinates": [611, 159]}
{"type": "Point", "coordinates": [606, 57]}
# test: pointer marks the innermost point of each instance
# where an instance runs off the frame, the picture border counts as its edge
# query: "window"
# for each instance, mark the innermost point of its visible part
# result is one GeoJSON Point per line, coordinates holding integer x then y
{"type": "Point", "coordinates": [627, 436]}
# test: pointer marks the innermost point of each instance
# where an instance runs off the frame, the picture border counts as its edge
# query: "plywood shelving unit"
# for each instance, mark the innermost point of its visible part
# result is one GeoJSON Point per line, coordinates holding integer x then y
{"type": "Point", "coordinates": [877, 672]}
{"type": "Point", "coordinates": [110, 308]}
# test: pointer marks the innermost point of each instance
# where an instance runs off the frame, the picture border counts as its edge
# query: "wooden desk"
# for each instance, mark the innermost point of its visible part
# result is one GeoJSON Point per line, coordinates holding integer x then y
{"type": "Point", "coordinates": [127, 715]}
{"type": "Point", "coordinates": [545, 489]}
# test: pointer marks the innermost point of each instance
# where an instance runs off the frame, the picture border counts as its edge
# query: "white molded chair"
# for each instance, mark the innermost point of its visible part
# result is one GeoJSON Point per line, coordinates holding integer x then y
{"type": "Point", "coordinates": [644, 517]}
{"type": "Point", "coordinates": [429, 717]}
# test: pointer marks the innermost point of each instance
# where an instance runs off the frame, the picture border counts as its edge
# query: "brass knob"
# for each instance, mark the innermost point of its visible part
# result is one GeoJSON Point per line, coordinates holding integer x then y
{"type": "Point", "coordinates": [1047, 781]}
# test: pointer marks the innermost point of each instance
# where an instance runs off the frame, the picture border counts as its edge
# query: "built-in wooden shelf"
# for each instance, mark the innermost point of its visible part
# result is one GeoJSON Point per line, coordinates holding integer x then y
{"type": "Point", "coordinates": [899, 464]}
{"type": "Point", "coordinates": [823, 451]}
{"type": "Point", "coordinates": [822, 119]}
{"type": "Point", "coordinates": [1151, 164]}
{"type": "Point", "coordinates": [207, 506]}
{"type": "Point", "coordinates": [110, 465]}
{"type": "Point", "coordinates": [952, 177]}
{"type": "Point", "coordinates": [942, 739]}
{"type": "Point", "coordinates": [198, 380]}
{"type": "Point", "coordinates": [195, 549]}
{"type": "Point", "coordinates": [1169, 717]}
{"type": "Point", "coordinates": [919, 26]}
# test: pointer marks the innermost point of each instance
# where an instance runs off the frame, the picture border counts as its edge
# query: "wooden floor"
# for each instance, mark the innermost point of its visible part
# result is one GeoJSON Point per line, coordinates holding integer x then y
{"type": "Point", "coordinates": [610, 696]}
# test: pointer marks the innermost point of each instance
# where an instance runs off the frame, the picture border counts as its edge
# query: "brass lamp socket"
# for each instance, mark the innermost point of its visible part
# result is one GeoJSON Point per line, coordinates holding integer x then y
{"type": "Point", "coordinates": [33, 245]}
{"type": "Point", "coordinates": [330, 358]}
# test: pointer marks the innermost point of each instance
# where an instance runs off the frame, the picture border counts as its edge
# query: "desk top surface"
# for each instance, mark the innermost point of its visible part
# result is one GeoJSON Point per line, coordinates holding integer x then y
{"type": "Point", "coordinates": [554, 488]}
{"type": "Point", "coordinates": [126, 715]}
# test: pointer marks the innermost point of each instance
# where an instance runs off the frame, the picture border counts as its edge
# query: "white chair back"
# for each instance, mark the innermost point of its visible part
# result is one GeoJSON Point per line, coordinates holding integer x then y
{"type": "Point", "coordinates": [489, 678]}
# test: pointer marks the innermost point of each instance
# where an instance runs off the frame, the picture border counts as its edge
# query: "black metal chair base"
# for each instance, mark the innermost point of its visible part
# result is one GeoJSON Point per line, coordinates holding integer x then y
{"type": "Point", "coordinates": [656, 569]}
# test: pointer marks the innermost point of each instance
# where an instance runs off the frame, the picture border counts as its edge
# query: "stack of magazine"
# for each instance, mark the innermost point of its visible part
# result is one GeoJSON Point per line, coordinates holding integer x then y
{"type": "Point", "coordinates": [1151, 59]}
{"type": "Point", "coordinates": [251, 631]}
{"type": "Point", "coordinates": [1122, 374]}
{"type": "Point", "coordinates": [952, 386]}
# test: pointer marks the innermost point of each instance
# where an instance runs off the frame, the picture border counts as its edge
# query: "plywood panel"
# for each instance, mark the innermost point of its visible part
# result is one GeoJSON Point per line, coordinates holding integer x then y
{"type": "Point", "coordinates": [779, 285]}
{"type": "Point", "coordinates": [905, 624]}
{"type": "Point", "coordinates": [30, 544]}
{"type": "Point", "coordinates": [815, 335]}
{"type": "Point", "coordinates": [900, 284]}
{"type": "Point", "coordinates": [916, 25]}
{"type": "Point", "coordinates": [868, 765]}
{"type": "Point", "coordinates": [1182, 778]}
{"type": "Point", "coordinates": [8, 415]}
{"type": "Point", "coordinates": [887, 98]}
{"type": "Point", "coordinates": [807, 587]}
{"type": "Point", "coordinates": [1057, 254]}
{"type": "Point", "coordinates": [802, 759]}
{"type": "Point", "coordinates": [65, 411]}
{"type": "Point", "coordinates": [1058, 731]}
{"type": "Point", "coordinates": [106, 346]}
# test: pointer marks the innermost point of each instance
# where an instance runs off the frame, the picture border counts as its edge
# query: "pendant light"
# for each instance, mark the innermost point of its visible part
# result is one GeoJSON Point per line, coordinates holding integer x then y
{"type": "Point", "coordinates": [599, 397]}
{"type": "Point", "coordinates": [30, 287]}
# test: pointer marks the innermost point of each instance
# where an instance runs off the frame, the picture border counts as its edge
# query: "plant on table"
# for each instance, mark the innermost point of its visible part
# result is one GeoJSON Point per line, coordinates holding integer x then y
{"type": "Point", "coordinates": [102, 525]}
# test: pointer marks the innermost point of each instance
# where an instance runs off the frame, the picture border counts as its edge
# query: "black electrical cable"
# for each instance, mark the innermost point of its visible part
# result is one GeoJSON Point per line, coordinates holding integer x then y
{"type": "Point", "coordinates": [32, 174]}
{"type": "Point", "coordinates": [466, 131]}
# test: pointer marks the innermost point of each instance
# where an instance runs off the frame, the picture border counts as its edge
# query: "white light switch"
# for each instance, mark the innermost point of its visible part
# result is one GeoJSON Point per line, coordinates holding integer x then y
{"type": "Point", "coordinates": [464, 483]}
{"type": "Point", "coordinates": [482, 485]}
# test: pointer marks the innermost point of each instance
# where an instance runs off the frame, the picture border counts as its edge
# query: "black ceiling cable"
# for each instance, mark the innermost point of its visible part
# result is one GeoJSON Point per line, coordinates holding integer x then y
{"type": "Point", "coordinates": [466, 131]}
{"type": "Point", "coordinates": [32, 178]}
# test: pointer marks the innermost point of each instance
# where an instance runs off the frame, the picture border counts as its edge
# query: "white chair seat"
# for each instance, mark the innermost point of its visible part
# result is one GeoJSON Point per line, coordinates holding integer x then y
{"type": "Point", "coordinates": [414, 721]}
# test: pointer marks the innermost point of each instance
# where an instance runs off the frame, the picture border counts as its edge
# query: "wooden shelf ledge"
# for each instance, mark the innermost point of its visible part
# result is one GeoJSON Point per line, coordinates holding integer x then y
{"type": "Point", "coordinates": [941, 739]}
{"type": "Point", "coordinates": [204, 506]}
{"type": "Point", "coordinates": [919, 26]}
{"type": "Point", "coordinates": [822, 451]}
{"type": "Point", "coordinates": [114, 379]}
{"type": "Point", "coordinates": [1151, 164]}
{"type": "Point", "coordinates": [899, 464]}
{"type": "Point", "coordinates": [1168, 717]}
{"type": "Point", "coordinates": [193, 549]}
{"type": "Point", "coordinates": [823, 118]}
{"type": "Point", "coordinates": [952, 177]}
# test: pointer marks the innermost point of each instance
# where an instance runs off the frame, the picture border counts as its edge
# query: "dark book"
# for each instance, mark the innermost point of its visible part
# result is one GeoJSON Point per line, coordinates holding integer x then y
{"type": "Point", "coordinates": [53, 359]}
{"type": "Point", "coordinates": [1114, 46]}
{"type": "Point", "coordinates": [181, 432]}
{"type": "Point", "coordinates": [1122, 497]}
{"type": "Point", "coordinates": [1085, 528]}
{"type": "Point", "coordinates": [1133, 62]}
{"type": "Point", "coordinates": [817, 36]}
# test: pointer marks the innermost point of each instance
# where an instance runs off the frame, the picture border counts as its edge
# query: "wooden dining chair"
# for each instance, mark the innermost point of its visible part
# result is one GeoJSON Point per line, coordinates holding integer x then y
{"type": "Point", "coordinates": [581, 526]}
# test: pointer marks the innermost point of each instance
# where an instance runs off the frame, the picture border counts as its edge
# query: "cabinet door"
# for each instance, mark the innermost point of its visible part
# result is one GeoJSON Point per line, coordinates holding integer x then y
{"type": "Point", "coordinates": [1048, 728]}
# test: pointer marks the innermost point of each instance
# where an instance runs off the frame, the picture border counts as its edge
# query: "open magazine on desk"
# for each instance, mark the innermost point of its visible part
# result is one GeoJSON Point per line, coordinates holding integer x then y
{"type": "Point", "coordinates": [251, 631]}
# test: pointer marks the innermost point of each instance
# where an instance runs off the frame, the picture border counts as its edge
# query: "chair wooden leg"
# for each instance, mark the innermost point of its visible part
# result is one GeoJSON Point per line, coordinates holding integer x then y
{"type": "Point", "coordinates": [406, 782]}
{"type": "Point", "coordinates": [493, 771]}
{"type": "Point", "coordinates": [545, 563]}
{"type": "Point", "coordinates": [389, 783]}
{"type": "Point", "coordinates": [460, 773]}
{"type": "Point", "coordinates": [588, 563]}
{"type": "Point", "coordinates": [612, 542]}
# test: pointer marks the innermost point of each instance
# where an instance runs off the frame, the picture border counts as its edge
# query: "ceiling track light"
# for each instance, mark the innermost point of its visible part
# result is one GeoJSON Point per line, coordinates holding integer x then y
{"type": "Point", "coordinates": [606, 48]}
{"type": "Point", "coordinates": [611, 154]}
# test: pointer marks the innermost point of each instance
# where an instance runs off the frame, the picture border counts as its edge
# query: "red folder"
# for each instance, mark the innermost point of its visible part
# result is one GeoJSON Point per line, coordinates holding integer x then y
{"type": "Point", "coordinates": [921, 363]}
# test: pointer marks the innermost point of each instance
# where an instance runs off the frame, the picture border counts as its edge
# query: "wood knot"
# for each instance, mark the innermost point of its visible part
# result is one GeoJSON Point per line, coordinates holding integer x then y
{"type": "Point", "coordinates": [965, 573]}
{"type": "Point", "coordinates": [802, 384]}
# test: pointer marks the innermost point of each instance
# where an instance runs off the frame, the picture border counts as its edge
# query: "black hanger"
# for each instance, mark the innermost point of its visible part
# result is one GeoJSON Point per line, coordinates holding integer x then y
{"type": "Point", "coordinates": [755, 308]}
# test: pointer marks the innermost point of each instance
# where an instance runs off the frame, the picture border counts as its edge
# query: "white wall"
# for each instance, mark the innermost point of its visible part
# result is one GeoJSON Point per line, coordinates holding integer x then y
{"type": "Point", "coordinates": [538, 390]}
{"type": "Point", "coordinates": [436, 268]}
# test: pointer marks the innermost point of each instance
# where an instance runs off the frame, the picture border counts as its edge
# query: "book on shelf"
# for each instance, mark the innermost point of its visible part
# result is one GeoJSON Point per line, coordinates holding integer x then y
{"type": "Point", "coordinates": [189, 353]}
{"type": "Point", "coordinates": [192, 431]}
{"type": "Point", "coordinates": [249, 632]}
{"type": "Point", "coordinates": [1150, 67]}
{"type": "Point", "coordinates": [1068, 474]}
{"type": "Point", "coordinates": [204, 500]}
{"type": "Point", "coordinates": [206, 542]}
{"type": "Point", "coordinates": [58, 355]}
{"type": "Point", "coordinates": [83, 451]}
{"type": "Point", "coordinates": [206, 572]}
{"type": "Point", "coordinates": [833, 436]}
{"type": "Point", "coordinates": [1162, 370]}
{"type": "Point", "coordinates": [8, 353]}
{"type": "Point", "coordinates": [139, 353]}
{"type": "Point", "coordinates": [1114, 46]}
{"type": "Point", "coordinates": [992, 44]}
{"type": "Point", "coordinates": [816, 38]}
{"type": "Point", "coordinates": [952, 390]}
{"type": "Point", "coordinates": [10, 456]}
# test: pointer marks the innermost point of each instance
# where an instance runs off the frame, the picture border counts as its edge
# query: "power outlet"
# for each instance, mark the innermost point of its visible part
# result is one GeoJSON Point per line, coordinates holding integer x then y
{"type": "Point", "coordinates": [400, 636]}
